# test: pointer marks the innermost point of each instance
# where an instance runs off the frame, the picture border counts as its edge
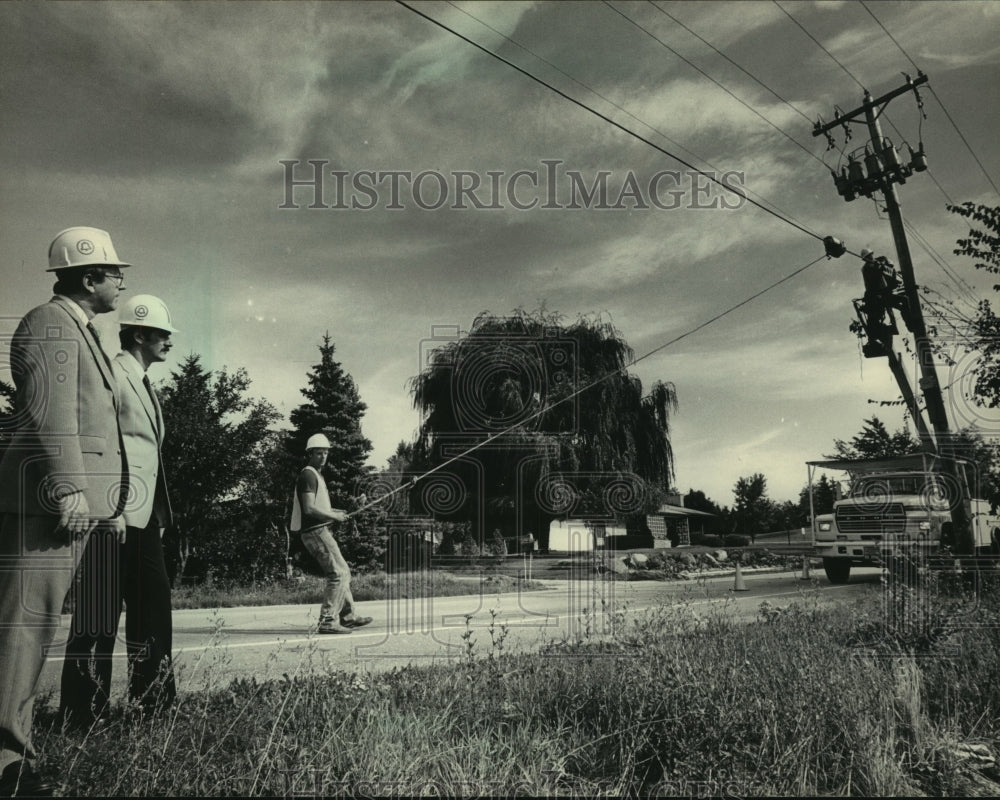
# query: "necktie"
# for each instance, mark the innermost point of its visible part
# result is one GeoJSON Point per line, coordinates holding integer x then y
{"type": "Point", "coordinates": [152, 399]}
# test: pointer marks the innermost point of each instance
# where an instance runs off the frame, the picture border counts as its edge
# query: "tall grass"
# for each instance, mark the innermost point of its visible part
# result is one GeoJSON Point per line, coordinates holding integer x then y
{"type": "Point", "coordinates": [805, 701]}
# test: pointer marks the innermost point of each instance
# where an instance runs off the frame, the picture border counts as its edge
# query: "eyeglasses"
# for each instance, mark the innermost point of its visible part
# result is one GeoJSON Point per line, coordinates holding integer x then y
{"type": "Point", "coordinates": [117, 277]}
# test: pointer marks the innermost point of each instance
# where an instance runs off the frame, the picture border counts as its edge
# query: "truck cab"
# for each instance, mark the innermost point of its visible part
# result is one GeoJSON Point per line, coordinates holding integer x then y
{"type": "Point", "coordinates": [894, 507]}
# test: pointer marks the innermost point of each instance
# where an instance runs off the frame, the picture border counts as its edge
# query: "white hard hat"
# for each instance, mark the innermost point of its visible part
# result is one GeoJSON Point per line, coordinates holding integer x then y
{"type": "Point", "coordinates": [318, 440]}
{"type": "Point", "coordinates": [147, 311]}
{"type": "Point", "coordinates": [83, 247]}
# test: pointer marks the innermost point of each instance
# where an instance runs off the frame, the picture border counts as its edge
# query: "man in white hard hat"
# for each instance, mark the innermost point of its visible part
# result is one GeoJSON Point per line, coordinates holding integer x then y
{"type": "Point", "coordinates": [133, 572]}
{"type": "Point", "coordinates": [313, 517]}
{"type": "Point", "coordinates": [63, 476]}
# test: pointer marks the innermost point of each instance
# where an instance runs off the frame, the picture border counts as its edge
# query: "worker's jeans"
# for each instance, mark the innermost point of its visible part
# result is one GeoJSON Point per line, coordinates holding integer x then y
{"type": "Point", "coordinates": [338, 601]}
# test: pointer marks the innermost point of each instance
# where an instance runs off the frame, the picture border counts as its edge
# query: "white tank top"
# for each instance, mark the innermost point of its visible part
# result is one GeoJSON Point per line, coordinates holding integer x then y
{"type": "Point", "coordinates": [322, 501]}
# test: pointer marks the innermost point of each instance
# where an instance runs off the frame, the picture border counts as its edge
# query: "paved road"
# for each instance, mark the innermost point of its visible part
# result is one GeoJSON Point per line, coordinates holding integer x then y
{"type": "Point", "coordinates": [214, 646]}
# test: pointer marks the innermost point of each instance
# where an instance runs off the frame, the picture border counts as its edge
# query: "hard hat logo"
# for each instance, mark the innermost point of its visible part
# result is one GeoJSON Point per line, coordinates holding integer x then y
{"type": "Point", "coordinates": [146, 311]}
{"type": "Point", "coordinates": [83, 247]}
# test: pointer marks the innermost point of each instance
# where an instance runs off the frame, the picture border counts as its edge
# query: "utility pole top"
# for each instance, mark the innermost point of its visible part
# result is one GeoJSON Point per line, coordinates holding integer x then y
{"type": "Point", "coordinates": [842, 119]}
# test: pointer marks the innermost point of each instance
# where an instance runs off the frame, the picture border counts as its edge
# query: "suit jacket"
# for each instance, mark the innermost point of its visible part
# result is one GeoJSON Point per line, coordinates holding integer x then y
{"type": "Point", "coordinates": [66, 434]}
{"type": "Point", "coordinates": [142, 431]}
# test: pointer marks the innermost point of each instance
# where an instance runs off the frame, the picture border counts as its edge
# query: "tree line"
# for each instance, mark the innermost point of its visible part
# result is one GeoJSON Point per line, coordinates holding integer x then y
{"type": "Point", "coordinates": [524, 419]}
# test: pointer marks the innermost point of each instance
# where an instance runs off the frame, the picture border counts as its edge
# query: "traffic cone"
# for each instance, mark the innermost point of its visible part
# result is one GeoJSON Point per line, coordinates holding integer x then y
{"type": "Point", "coordinates": [738, 584]}
{"type": "Point", "coordinates": [805, 569]}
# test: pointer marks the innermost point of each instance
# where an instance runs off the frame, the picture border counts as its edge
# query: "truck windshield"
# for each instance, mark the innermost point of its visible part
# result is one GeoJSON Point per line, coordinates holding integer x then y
{"type": "Point", "coordinates": [872, 487]}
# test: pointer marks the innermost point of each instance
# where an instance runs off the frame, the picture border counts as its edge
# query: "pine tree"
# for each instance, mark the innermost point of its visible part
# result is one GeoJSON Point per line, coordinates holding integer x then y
{"type": "Point", "coordinates": [212, 452]}
{"type": "Point", "coordinates": [334, 408]}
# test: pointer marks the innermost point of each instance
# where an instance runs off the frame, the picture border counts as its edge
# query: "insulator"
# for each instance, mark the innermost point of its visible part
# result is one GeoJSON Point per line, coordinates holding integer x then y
{"type": "Point", "coordinates": [873, 166]}
{"type": "Point", "coordinates": [890, 157]}
{"type": "Point", "coordinates": [834, 247]}
{"type": "Point", "coordinates": [855, 174]}
{"type": "Point", "coordinates": [841, 182]}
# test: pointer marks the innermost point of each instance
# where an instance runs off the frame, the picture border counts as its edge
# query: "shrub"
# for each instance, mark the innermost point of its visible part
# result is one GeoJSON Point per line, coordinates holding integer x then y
{"type": "Point", "coordinates": [706, 540]}
{"type": "Point", "coordinates": [736, 540]}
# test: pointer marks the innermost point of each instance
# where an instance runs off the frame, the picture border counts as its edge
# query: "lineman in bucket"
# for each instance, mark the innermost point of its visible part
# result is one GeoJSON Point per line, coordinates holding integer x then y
{"type": "Point", "coordinates": [313, 518]}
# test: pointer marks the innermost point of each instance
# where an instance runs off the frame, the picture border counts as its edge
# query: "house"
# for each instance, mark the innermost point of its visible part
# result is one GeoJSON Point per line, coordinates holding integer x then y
{"type": "Point", "coordinates": [672, 524]}
{"type": "Point", "coordinates": [580, 536]}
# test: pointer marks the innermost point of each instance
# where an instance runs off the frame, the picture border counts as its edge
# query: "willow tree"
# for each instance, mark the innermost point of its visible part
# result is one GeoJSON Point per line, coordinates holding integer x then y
{"type": "Point", "coordinates": [537, 420]}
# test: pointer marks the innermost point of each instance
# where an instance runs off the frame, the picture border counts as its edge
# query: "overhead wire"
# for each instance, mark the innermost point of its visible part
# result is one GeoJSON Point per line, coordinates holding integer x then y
{"type": "Point", "coordinates": [611, 102]}
{"type": "Point", "coordinates": [934, 94]}
{"type": "Point", "coordinates": [962, 286]}
{"type": "Point", "coordinates": [950, 273]}
{"type": "Point", "coordinates": [738, 66]}
{"type": "Point", "coordinates": [854, 78]}
{"type": "Point", "coordinates": [708, 176]}
{"type": "Point", "coordinates": [587, 387]}
{"type": "Point", "coordinates": [695, 67]}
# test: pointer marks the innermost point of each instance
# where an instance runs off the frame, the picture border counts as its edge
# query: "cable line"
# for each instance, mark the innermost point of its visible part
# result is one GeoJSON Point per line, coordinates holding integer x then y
{"type": "Point", "coordinates": [606, 118]}
{"type": "Point", "coordinates": [622, 371]}
{"type": "Point", "coordinates": [694, 66]}
{"type": "Point", "coordinates": [819, 45]}
{"type": "Point", "coordinates": [934, 94]}
{"type": "Point", "coordinates": [960, 283]}
{"type": "Point", "coordinates": [611, 102]}
{"type": "Point", "coordinates": [735, 64]}
{"type": "Point", "coordinates": [891, 37]}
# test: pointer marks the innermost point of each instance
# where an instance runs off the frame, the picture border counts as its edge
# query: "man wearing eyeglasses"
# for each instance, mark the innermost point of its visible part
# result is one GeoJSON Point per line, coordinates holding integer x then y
{"type": "Point", "coordinates": [63, 476]}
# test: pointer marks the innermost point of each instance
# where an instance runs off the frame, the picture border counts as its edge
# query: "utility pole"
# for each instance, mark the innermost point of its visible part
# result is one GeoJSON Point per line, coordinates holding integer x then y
{"type": "Point", "coordinates": [884, 169]}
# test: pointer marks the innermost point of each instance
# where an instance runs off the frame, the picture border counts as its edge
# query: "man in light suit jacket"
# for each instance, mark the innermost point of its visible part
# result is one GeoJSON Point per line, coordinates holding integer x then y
{"type": "Point", "coordinates": [134, 571]}
{"type": "Point", "coordinates": [63, 476]}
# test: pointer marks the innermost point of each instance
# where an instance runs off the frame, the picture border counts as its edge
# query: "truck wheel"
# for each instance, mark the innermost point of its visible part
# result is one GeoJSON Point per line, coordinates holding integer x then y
{"type": "Point", "coordinates": [838, 570]}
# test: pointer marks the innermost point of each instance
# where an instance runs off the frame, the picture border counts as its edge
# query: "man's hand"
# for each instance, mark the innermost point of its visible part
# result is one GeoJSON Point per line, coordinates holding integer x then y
{"type": "Point", "coordinates": [74, 515]}
{"type": "Point", "coordinates": [339, 515]}
{"type": "Point", "coordinates": [116, 527]}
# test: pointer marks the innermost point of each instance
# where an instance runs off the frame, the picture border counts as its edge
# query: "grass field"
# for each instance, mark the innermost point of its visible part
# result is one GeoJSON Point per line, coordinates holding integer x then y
{"type": "Point", "coordinates": [898, 699]}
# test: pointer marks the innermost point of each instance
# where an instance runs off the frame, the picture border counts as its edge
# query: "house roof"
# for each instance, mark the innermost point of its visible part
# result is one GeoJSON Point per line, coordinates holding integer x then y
{"type": "Point", "coordinates": [668, 510]}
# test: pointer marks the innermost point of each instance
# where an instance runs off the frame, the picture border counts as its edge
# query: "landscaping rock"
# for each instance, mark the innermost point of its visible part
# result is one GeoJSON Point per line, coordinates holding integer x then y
{"type": "Point", "coordinates": [638, 561]}
{"type": "Point", "coordinates": [688, 560]}
{"type": "Point", "coordinates": [616, 565]}
{"type": "Point", "coordinates": [709, 561]}
{"type": "Point", "coordinates": [720, 555]}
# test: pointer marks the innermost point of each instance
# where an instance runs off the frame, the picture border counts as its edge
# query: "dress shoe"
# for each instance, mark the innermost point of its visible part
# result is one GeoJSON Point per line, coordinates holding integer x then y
{"type": "Point", "coordinates": [20, 780]}
{"type": "Point", "coordinates": [355, 622]}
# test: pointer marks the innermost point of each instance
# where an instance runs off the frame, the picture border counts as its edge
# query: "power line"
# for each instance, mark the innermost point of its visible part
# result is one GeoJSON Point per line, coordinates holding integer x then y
{"type": "Point", "coordinates": [735, 64]}
{"type": "Point", "coordinates": [694, 66]}
{"type": "Point", "coordinates": [610, 102]}
{"type": "Point", "coordinates": [960, 283]}
{"type": "Point", "coordinates": [606, 118]}
{"type": "Point", "coordinates": [592, 384]}
{"type": "Point", "coordinates": [964, 140]}
{"type": "Point", "coordinates": [893, 38]}
{"type": "Point", "coordinates": [820, 45]}
{"type": "Point", "coordinates": [940, 103]}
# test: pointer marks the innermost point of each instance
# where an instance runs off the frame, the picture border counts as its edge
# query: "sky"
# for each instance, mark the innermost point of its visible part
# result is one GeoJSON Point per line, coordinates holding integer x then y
{"type": "Point", "coordinates": [181, 129]}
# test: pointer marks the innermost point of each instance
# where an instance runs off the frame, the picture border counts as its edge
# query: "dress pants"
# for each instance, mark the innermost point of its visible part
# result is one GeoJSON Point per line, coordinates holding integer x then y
{"type": "Point", "coordinates": [133, 572]}
{"type": "Point", "coordinates": [37, 563]}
